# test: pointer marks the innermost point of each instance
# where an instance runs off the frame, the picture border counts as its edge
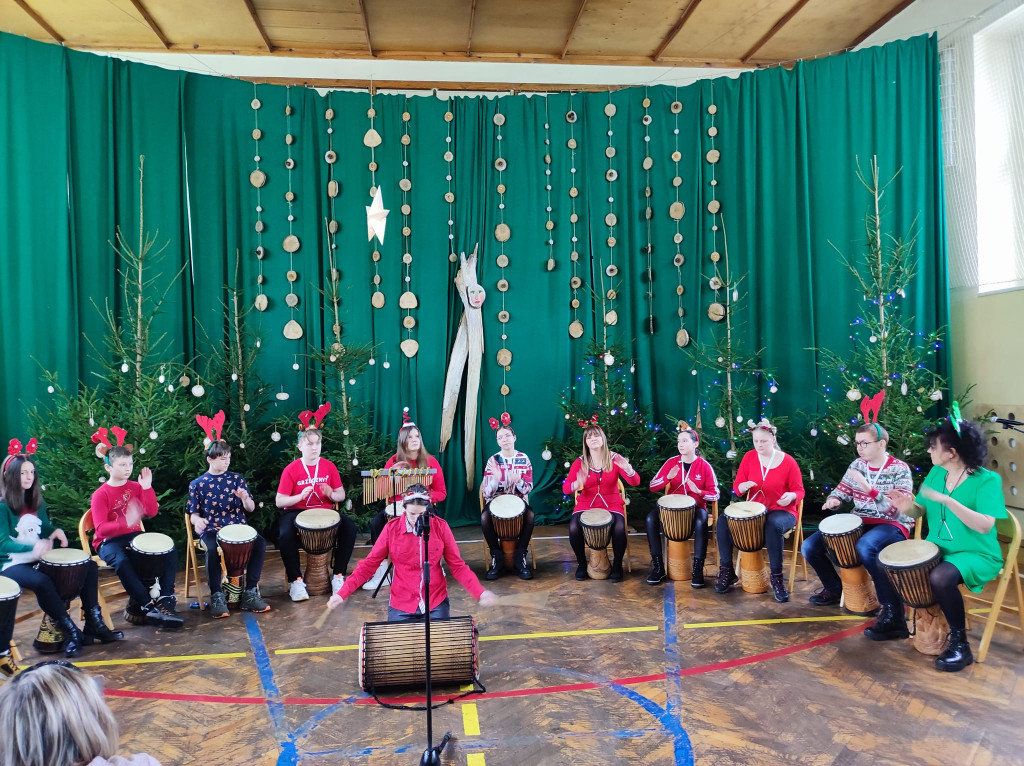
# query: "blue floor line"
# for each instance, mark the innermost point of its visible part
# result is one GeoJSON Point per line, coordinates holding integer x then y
{"type": "Point", "coordinates": [289, 752]}
{"type": "Point", "coordinates": [673, 682]}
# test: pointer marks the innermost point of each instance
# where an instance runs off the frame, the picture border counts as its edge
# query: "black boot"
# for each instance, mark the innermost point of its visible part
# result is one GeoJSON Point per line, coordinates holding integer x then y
{"type": "Point", "coordinates": [74, 640]}
{"type": "Point", "coordinates": [497, 564]}
{"type": "Point", "coordinates": [521, 566]}
{"type": "Point", "coordinates": [657, 574]}
{"type": "Point", "coordinates": [889, 625]}
{"type": "Point", "coordinates": [581, 570]}
{"type": "Point", "coordinates": [697, 576]}
{"type": "Point", "coordinates": [96, 628]}
{"type": "Point", "coordinates": [726, 579]}
{"type": "Point", "coordinates": [162, 613]}
{"type": "Point", "coordinates": [958, 652]}
{"type": "Point", "coordinates": [778, 587]}
{"type": "Point", "coordinates": [616, 572]}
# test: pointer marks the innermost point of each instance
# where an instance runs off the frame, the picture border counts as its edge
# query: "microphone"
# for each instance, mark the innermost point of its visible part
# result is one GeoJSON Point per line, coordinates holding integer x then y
{"type": "Point", "coordinates": [1006, 423]}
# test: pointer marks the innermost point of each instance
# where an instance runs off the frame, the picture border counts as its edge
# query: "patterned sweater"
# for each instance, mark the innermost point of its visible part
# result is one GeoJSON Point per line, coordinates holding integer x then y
{"type": "Point", "coordinates": [873, 505]}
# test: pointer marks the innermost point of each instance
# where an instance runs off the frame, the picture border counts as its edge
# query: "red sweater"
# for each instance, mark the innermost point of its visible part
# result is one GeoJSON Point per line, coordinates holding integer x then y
{"type": "Point", "coordinates": [109, 506]}
{"type": "Point", "coordinates": [700, 473]}
{"type": "Point", "coordinates": [785, 477]}
{"type": "Point", "coordinates": [297, 476]}
{"type": "Point", "coordinates": [434, 482]}
{"type": "Point", "coordinates": [600, 489]}
{"type": "Point", "coordinates": [404, 549]}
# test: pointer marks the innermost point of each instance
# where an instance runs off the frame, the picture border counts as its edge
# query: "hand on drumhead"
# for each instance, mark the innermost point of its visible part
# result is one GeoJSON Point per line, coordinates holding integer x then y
{"type": "Point", "coordinates": [745, 487]}
{"type": "Point", "coordinates": [146, 478]}
{"type": "Point", "coordinates": [335, 601]}
{"type": "Point", "coordinates": [830, 503]}
{"type": "Point", "coordinates": [488, 598]}
{"type": "Point", "coordinates": [786, 498]}
{"type": "Point", "coordinates": [41, 548]}
{"type": "Point", "coordinates": [902, 499]}
{"type": "Point", "coordinates": [58, 534]}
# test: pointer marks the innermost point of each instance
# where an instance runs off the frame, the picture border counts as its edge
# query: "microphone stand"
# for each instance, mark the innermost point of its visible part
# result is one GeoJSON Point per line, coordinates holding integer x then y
{"type": "Point", "coordinates": [432, 755]}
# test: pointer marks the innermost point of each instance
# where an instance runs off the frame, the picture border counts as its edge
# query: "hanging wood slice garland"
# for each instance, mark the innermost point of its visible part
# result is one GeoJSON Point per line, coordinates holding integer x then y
{"type": "Point", "coordinates": [261, 302]}
{"type": "Point", "coordinates": [504, 357]}
{"type": "Point", "coordinates": [407, 300]}
{"type": "Point", "coordinates": [410, 347]}
{"type": "Point", "coordinates": [576, 329]}
{"type": "Point", "coordinates": [682, 338]}
{"type": "Point", "coordinates": [291, 244]}
{"type": "Point", "coordinates": [575, 282]}
{"type": "Point", "coordinates": [377, 300]}
{"type": "Point", "coordinates": [549, 223]}
{"type": "Point", "coordinates": [257, 178]}
{"type": "Point", "coordinates": [292, 330]}
{"type": "Point", "coordinates": [716, 312]}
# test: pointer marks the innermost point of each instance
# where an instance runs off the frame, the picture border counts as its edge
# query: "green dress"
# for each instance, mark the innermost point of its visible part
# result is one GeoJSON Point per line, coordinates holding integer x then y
{"type": "Point", "coordinates": [978, 556]}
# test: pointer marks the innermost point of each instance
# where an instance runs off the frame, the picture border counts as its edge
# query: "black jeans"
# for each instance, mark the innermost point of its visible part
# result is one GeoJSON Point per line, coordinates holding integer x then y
{"type": "Point", "coordinates": [114, 551]}
{"type": "Point", "coordinates": [700, 534]}
{"type": "Point", "coordinates": [253, 569]}
{"type": "Point", "coordinates": [875, 538]}
{"type": "Point", "coordinates": [288, 544]}
{"type": "Point", "coordinates": [618, 539]}
{"type": "Point", "coordinates": [30, 578]}
{"type": "Point", "coordinates": [493, 543]}
{"type": "Point", "coordinates": [440, 612]}
{"type": "Point", "coordinates": [778, 523]}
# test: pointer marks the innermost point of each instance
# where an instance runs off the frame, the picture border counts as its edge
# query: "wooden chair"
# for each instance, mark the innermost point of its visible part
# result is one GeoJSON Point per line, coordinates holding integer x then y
{"type": "Point", "coordinates": [622, 494]}
{"type": "Point", "coordinates": [85, 530]}
{"type": "Point", "coordinates": [529, 546]}
{"type": "Point", "coordinates": [1008, 528]}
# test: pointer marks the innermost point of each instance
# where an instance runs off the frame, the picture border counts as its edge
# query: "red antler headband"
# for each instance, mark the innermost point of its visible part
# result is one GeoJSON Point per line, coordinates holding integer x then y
{"type": "Point", "coordinates": [14, 450]}
{"type": "Point", "coordinates": [317, 417]}
{"type": "Point", "coordinates": [102, 441]}
{"type": "Point", "coordinates": [869, 409]}
{"type": "Point", "coordinates": [587, 423]}
{"type": "Point", "coordinates": [506, 421]}
{"type": "Point", "coordinates": [212, 427]}
{"type": "Point", "coordinates": [406, 420]}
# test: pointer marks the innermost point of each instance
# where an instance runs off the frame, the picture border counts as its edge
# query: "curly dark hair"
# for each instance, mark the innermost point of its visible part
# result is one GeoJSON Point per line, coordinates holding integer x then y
{"type": "Point", "coordinates": [969, 443]}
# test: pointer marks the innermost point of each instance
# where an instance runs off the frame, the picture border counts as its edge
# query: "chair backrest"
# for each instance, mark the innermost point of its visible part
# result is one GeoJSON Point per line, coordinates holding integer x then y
{"type": "Point", "coordinates": [1010, 529]}
{"type": "Point", "coordinates": [85, 528]}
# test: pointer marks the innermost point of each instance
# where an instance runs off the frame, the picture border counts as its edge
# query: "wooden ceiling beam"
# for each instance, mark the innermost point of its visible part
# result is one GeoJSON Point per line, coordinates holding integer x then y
{"type": "Point", "coordinates": [366, 28]}
{"type": "Point", "coordinates": [683, 18]}
{"type": "Point", "coordinates": [897, 9]}
{"type": "Point", "coordinates": [499, 87]}
{"type": "Point", "coordinates": [39, 20]}
{"type": "Point", "coordinates": [259, 25]}
{"type": "Point", "coordinates": [151, 23]}
{"type": "Point", "coordinates": [572, 27]}
{"type": "Point", "coordinates": [775, 29]}
{"type": "Point", "coordinates": [472, 18]}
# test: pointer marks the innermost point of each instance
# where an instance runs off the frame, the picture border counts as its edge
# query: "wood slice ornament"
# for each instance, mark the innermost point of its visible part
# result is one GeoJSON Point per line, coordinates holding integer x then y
{"type": "Point", "coordinates": [676, 210]}
{"type": "Point", "coordinates": [260, 303]}
{"type": "Point", "coordinates": [682, 338]}
{"type": "Point", "coordinates": [372, 139]}
{"type": "Point", "coordinates": [409, 347]}
{"type": "Point", "coordinates": [713, 156]}
{"type": "Point", "coordinates": [292, 300]}
{"type": "Point", "coordinates": [408, 300]}
{"type": "Point", "coordinates": [609, 110]}
{"type": "Point", "coordinates": [504, 357]}
{"type": "Point", "coordinates": [716, 312]}
{"type": "Point", "coordinates": [332, 189]}
{"type": "Point", "coordinates": [377, 301]}
{"type": "Point", "coordinates": [291, 244]}
{"type": "Point", "coordinates": [576, 329]}
{"type": "Point", "coordinates": [611, 317]}
{"type": "Point", "coordinates": [257, 178]}
{"type": "Point", "coordinates": [714, 206]}
{"type": "Point", "coordinates": [502, 232]}
{"type": "Point", "coordinates": [292, 330]}
{"type": "Point", "coordinates": [409, 322]}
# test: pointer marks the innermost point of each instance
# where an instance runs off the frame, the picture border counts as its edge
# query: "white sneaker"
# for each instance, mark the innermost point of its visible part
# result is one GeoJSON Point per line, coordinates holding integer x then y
{"type": "Point", "coordinates": [297, 590]}
{"type": "Point", "coordinates": [374, 581]}
{"type": "Point", "coordinates": [336, 582]}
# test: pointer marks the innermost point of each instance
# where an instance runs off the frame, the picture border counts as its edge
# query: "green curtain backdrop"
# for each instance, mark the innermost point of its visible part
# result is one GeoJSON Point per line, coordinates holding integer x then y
{"type": "Point", "coordinates": [74, 124]}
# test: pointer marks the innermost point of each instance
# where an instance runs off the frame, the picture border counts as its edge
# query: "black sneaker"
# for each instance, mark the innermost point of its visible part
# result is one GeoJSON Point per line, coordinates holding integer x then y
{"type": "Point", "coordinates": [726, 579]}
{"type": "Point", "coordinates": [697, 576]}
{"type": "Point", "coordinates": [218, 605]}
{"type": "Point", "coordinates": [826, 597]}
{"type": "Point", "coordinates": [162, 613]}
{"type": "Point", "coordinates": [581, 572]}
{"type": "Point", "coordinates": [657, 574]}
{"type": "Point", "coordinates": [779, 588]}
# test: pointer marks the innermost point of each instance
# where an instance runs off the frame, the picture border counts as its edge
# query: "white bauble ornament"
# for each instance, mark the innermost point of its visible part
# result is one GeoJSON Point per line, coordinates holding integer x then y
{"type": "Point", "coordinates": [387, 365]}
{"type": "Point", "coordinates": [843, 439]}
{"type": "Point", "coordinates": [295, 365]}
{"type": "Point", "coordinates": [198, 390]}
{"type": "Point", "coordinates": [567, 465]}
{"type": "Point", "coordinates": [814, 432]}
{"type": "Point", "coordinates": [873, 339]}
{"type": "Point", "coordinates": [545, 455]}
{"type": "Point", "coordinates": [345, 432]}
{"type": "Point", "coordinates": [161, 379]}
{"type": "Point", "coordinates": [609, 360]}
{"type": "Point", "coordinates": [261, 503]}
{"type": "Point", "coordinates": [124, 367]}
{"type": "Point", "coordinates": [693, 372]}
{"type": "Point", "coordinates": [334, 358]}
{"type": "Point", "coordinates": [355, 461]}
{"type": "Point", "coordinates": [593, 387]}
{"type": "Point", "coordinates": [774, 389]}
{"type": "Point", "coordinates": [739, 418]}
{"type": "Point", "coordinates": [234, 376]}
{"type": "Point", "coordinates": [731, 454]}
{"type": "Point", "coordinates": [720, 422]}
{"type": "Point", "coordinates": [567, 416]}
{"type": "Point", "coordinates": [275, 436]}
{"type": "Point", "coordinates": [632, 367]}
{"type": "Point", "coordinates": [935, 395]}
{"type": "Point", "coordinates": [142, 451]}
{"type": "Point", "coordinates": [246, 408]}
{"type": "Point", "coordinates": [170, 388]}
{"type": "Point", "coordinates": [152, 436]}
{"type": "Point", "coordinates": [904, 389]}
{"type": "Point", "coordinates": [853, 394]}
{"type": "Point", "coordinates": [888, 382]}
{"type": "Point", "coordinates": [49, 389]}
{"type": "Point", "coordinates": [241, 445]}
{"type": "Point", "coordinates": [372, 361]}
{"type": "Point", "coordinates": [351, 381]}
{"type": "Point", "coordinates": [92, 421]}
{"type": "Point", "coordinates": [258, 344]}
{"type": "Point", "coordinates": [920, 409]}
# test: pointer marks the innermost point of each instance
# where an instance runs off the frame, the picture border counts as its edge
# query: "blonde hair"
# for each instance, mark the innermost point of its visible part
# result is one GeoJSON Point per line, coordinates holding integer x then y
{"type": "Point", "coordinates": [309, 433]}
{"type": "Point", "coordinates": [52, 715]}
{"type": "Point", "coordinates": [402, 452]}
{"type": "Point", "coordinates": [588, 458]}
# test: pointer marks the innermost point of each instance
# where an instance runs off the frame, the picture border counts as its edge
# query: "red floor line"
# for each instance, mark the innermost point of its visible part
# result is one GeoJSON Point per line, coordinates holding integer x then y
{"type": "Point", "coordinates": [134, 694]}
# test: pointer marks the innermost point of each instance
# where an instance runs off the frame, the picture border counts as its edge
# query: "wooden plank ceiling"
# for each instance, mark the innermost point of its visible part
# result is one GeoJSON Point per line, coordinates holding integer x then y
{"type": "Point", "coordinates": [707, 33]}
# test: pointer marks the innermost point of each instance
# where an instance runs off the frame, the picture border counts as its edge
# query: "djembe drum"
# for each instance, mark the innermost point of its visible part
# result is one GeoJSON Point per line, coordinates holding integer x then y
{"type": "Point", "coordinates": [391, 654]}
{"type": "Point", "coordinates": [907, 564]}
{"type": "Point", "coordinates": [10, 591]}
{"type": "Point", "coordinates": [236, 542]}
{"type": "Point", "coordinates": [597, 534]}
{"type": "Point", "coordinates": [149, 552]}
{"type": "Point", "coordinates": [507, 515]}
{"type": "Point", "coordinates": [746, 522]}
{"type": "Point", "coordinates": [67, 567]}
{"type": "Point", "coordinates": [678, 514]}
{"type": "Point", "coordinates": [840, 534]}
{"type": "Point", "coordinates": [318, 531]}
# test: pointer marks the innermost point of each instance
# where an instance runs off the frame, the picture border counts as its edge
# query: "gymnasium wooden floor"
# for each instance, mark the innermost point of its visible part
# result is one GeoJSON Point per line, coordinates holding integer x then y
{"type": "Point", "coordinates": [593, 673]}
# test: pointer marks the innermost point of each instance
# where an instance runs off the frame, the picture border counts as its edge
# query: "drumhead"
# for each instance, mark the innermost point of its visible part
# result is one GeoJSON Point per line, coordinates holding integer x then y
{"type": "Point", "coordinates": [317, 518]}
{"type": "Point", "coordinates": [908, 553]}
{"type": "Point", "coordinates": [595, 518]}
{"type": "Point", "coordinates": [675, 502]}
{"type": "Point", "coordinates": [507, 506]}
{"type": "Point", "coordinates": [840, 524]}
{"type": "Point", "coordinates": [745, 509]}
{"type": "Point", "coordinates": [153, 543]}
{"type": "Point", "coordinates": [9, 589]}
{"type": "Point", "coordinates": [67, 556]}
{"type": "Point", "coordinates": [236, 533]}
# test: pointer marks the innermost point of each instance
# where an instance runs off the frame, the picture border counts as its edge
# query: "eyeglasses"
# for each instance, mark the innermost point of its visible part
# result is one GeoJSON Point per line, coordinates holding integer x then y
{"type": "Point", "coordinates": [864, 444]}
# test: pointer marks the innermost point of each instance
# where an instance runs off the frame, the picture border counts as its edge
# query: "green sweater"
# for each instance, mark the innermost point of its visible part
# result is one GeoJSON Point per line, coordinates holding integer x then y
{"type": "Point", "coordinates": [8, 529]}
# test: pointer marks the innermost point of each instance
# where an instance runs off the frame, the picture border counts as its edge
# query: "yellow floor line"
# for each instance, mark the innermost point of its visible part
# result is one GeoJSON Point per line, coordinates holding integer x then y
{"type": "Point", "coordinates": [466, 688]}
{"type": "Point", "coordinates": [475, 759]}
{"type": "Point", "coordinates": [737, 623]}
{"type": "Point", "coordinates": [470, 719]}
{"type": "Point", "coordinates": [562, 633]}
{"type": "Point", "coordinates": [181, 658]}
{"type": "Point", "coordinates": [315, 649]}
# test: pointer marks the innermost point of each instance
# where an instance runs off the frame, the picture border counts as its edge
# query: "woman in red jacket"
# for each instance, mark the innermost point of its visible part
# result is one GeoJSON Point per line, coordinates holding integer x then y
{"type": "Point", "coordinates": [595, 476]}
{"type": "Point", "coordinates": [770, 476]}
{"type": "Point", "coordinates": [688, 474]}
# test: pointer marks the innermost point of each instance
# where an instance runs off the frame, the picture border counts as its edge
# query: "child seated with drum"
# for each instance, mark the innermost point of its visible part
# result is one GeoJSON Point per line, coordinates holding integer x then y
{"type": "Point", "coordinates": [217, 499]}
{"type": "Point", "coordinates": [401, 540]}
{"type": "Point", "coordinates": [507, 473]}
{"type": "Point", "coordinates": [307, 483]}
{"type": "Point", "coordinates": [769, 476]}
{"type": "Point", "coordinates": [960, 501]}
{"type": "Point", "coordinates": [866, 484]}
{"type": "Point", "coordinates": [595, 477]}
{"type": "Point", "coordinates": [118, 507]}
{"type": "Point", "coordinates": [26, 536]}
{"type": "Point", "coordinates": [690, 475]}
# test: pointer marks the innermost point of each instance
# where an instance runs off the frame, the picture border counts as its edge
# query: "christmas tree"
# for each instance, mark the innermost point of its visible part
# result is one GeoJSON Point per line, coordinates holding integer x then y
{"type": "Point", "coordinates": [887, 361]}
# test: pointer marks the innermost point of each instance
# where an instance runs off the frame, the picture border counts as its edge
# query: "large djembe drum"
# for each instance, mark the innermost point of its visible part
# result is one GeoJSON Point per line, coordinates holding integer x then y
{"type": "Point", "coordinates": [318, 530]}
{"type": "Point", "coordinates": [236, 542]}
{"type": "Point", "coordinates": [597, 534]}
{"type": "Point", "coordinates": [67, 567]}
{"type": "Point", "coordinates": [507, 515]}
{"type": "Point", "coordinates": [678, 515]}
{"type": "Point", "coordinates": [840, 534]}
{"type": "Point", "coordinates": [746, 520]}
{"type": "Point", "coordinates": [907, 564]}
{"type": "Point", "coordinates": [391, 654]}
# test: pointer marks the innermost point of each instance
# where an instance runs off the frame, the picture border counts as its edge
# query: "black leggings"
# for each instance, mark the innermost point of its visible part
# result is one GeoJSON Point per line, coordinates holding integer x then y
{"type": "Point", "coordinates": [487, 526]}
{"type": "Point", "coordinates": [618, 539]}
{"type": "Point", "coordinates": [30, 578]}
{"type": "Point", "coordinates": [700, 534]}
{"type": "Point", "coordinates": [945, 580]}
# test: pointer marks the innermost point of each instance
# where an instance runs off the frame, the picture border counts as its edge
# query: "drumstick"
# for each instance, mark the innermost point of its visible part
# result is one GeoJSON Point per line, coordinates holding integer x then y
{"type": "Point", "coordinates": [528, 600]}
{"type": "Point", "coordinates": [322, 618]}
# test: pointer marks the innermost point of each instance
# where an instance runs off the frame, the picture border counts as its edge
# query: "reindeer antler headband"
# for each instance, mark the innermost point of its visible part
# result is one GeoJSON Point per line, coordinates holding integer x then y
{"type": "Point", "coordinates": [317, 417]}
{"type": "Point", "coordinates": [14, 450]}
{"type": "Point", "coordinates": [505, 422]}
{"type": "Point", "coordinates": [102, 441]}
{"type": "Point", "coordinates": [587, 423]}
{"type": "Point", "coordinates": [869, 408]}
{"type": "Point", "coordinates": [212, 427]}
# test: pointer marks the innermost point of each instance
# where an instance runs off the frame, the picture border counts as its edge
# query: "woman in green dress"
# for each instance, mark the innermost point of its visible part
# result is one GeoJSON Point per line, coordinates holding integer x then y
{"type": "Point", "coordinates": [961, 502]}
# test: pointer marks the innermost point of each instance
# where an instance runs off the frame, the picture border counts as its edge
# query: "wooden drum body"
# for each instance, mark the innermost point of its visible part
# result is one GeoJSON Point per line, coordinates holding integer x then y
{"type": "Point", "coordinates": [149, 552]}
{"type": "Point", "coordinates": [678, 515]}
{"type": "Point", "coordinates": [318, 531]}
{"type": "Point", "coordinates": [597, 534]}
{"type": "Point", "coordinates": [907, 564]}
{"type": "Point", "coordinates": [236, 542]}
{"type": "Point", "coordinates": [840, 534]}
{"type": "Point", "coordinates": [67, 567]}
{"type": "Point", "coordinates": [507, 515]}
{"type": "Point", "coordinates": [746, 522]}
{"type": "Point", "coordinates": [10, 591]}
{"type": "Point", "coordinates": [391, 654]}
